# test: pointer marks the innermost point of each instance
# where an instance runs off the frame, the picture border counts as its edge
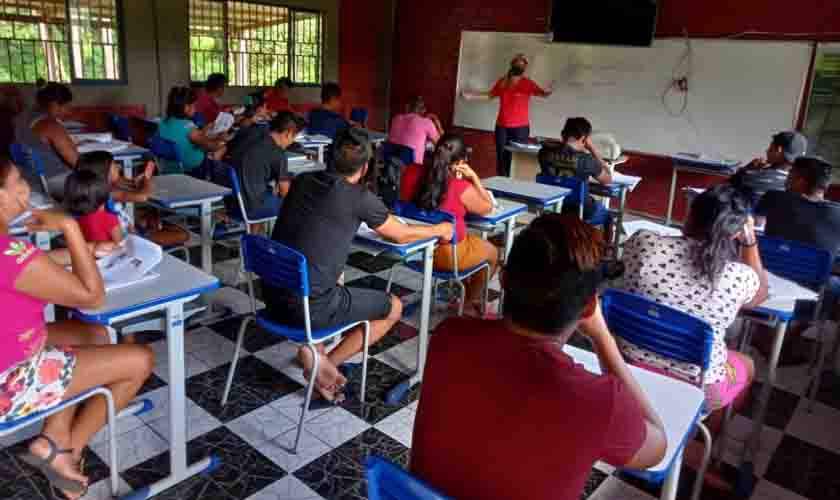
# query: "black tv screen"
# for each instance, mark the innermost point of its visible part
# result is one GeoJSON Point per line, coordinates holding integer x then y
{"type": "Point", "coordinates": [608, 22]}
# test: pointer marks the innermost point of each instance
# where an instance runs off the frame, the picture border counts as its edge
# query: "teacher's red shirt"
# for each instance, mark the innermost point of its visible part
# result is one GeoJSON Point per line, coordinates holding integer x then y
{"type": "Point", "coordinates": [513, 110]}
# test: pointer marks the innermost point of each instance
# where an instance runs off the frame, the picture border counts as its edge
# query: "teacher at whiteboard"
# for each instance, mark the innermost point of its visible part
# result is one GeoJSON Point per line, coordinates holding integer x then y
{"type": "Point", "coordinates": [513, 123]}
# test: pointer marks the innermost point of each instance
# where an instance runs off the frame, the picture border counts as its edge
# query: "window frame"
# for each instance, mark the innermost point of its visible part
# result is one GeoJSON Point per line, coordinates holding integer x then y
{"type": "Point", "coordinates": [123, 79]}
{"type": "Point", "coordinates": [291, 43]}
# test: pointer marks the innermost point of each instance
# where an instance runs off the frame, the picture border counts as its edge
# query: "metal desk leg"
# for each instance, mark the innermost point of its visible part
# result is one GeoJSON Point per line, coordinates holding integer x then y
{"type": "Point", "coordinates": [513, 161]}
{"type": "Point", "coordinates": [128, 171]}
{"type": "Point", "coordinates": [758, 418]}
{"type": "Point", "coordinates": [179, 469]}
{"type": "Point", "coordinates": [619, 220]}
{"type": "Point", "coordinates": [510, 228]}
{"type": "Point", "coordinates": [321, 149]}
{"type": "Point", "coordinates": [42, 241]}
{"type": "Point", "coordinates": [669, 487]}
{"type": "Point", "coordinates": [396, 394]}
{"type": "Point", "coordinates": [671, 196]}
{"type": "Point", "coordinates": [206, 237]}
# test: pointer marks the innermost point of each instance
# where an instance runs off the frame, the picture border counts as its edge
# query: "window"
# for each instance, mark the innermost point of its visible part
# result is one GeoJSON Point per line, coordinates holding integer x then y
{"type": "Point", "coordinates": [60, 40]}
{"type": "Point", "coordinates": [823, 123]}
{"type": "Point", "coordinates": [254, 43]}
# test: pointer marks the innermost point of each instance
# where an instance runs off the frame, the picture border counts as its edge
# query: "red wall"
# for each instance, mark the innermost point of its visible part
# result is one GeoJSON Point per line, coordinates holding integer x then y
{"type": "Point", "coordinates": [427, 42]}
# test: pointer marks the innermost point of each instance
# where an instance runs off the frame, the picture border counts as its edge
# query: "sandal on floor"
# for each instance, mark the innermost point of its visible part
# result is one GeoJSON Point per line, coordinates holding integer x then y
{"type": "Point", "coordinates": [338, 395]}
{"type": "Point", "coordinates": [52, 475]}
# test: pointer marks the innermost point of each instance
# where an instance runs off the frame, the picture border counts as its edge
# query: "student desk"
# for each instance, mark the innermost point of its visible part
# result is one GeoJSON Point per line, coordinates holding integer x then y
{"type": "Point", "coordinates": [305, 167]}
{"type": "Point", "coordinates": [541, 196]}
{"type": "Point", "coordinates": [128, 156]}
{"type": "Point", "coordinates": [505, 212]}
{"type": "Point", "coordinates": [180, 191]}
{"type": "Point", "coordinates": [678, 404]}
{"type": "Point", "coordinates": [316, 143]}
{"type": "Point", "coordinates": [178, 284]}
{"type": "Point", "coordinates": [74, 127]}
{"type": "Point", "coordinates": [682, 163]}
{"type": "Point", "coordinates": [370, 241]}
{"type": "Point", "coordinates": [376, 138]}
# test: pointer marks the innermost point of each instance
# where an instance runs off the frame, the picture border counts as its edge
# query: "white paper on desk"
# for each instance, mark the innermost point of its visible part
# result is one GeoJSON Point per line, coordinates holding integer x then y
{"type": "Point", "coordinates": [527, 146]}
{"type": "Point", "coordinates": [365, 230]}
{"type": "Point", "coordinates": [92, 137]}
{"type": "Point", "coordinates": [111, 147]}
{"type": "Point", "coordinates": [631, 181]}
{"type": "Point", "coordinates": [131, 265]}
{"type": "Point", "coordinates": [783, 293]}
{"type": "Point", "coordinates": [223, 123]}
{"type": "Point", "coordinates": [316, 139]}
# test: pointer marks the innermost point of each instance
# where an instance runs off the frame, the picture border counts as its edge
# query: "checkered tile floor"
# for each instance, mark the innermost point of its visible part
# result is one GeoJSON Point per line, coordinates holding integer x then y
{"type": "Point", "coordinates": [799, 458]}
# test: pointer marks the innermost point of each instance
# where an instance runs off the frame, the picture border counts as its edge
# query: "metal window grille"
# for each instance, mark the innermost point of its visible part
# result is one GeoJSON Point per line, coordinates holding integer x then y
{"type": "Point", "coordinates": [94, 30]}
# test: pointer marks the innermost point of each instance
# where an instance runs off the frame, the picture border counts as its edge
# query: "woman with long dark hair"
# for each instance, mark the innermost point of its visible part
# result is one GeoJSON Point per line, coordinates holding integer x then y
{"type": "Point", "coordinates": [711, 272]}
{"type": "Point", "coordinates": [449, 184]}
{"type": "Point", "coordinates": [513, 123]}
{"type": "Point", "coordinates": [194, 143]}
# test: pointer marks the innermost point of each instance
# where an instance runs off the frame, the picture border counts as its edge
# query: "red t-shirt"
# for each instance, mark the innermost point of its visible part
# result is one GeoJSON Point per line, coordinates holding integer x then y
{"type": "Point", "coordinates": [504, 417]}
{"type": "Point", "coordinates": [410, 179]}
{"type": "Point", "coordinates": [275, 102]}
{"type": "Point", "coordinates": [207, 106]}
{"type": "Point", "coordinates": [98, 225]}
{"type": "Point", "coordinates": [515, 99]}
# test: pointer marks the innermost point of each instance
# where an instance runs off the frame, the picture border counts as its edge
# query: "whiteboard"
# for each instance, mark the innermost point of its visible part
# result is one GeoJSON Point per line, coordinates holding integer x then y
{"type": "Point", "coordinates": [740, 92]}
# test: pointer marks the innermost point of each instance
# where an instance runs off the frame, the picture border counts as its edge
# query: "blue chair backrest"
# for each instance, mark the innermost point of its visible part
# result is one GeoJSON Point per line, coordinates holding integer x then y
{"type": "Point", "coordinates": [28, 158]}
{"type": "Point", "coordinates": [199, 119]}
{"type": "Point", "coordinates": [404, 153]}
{"type": "Point", "coordinates": [164, 148]}
{"type": "Point", "coordinates": [658, 328]}
{"type": "Point", "coordinates": [412, 211]}
{"type": "Point", "coordinates": [387, 481]}
{"type": "Point", "coordinates": [579, 188]}
{"type": "Point", "coordinates": [359, 115]}
{"type": "Point", "coordinates": [276, 264]}
{"type": "Point", "coordinates": [19, 154]}
{"type": "Point", "coordinates": [805, 264]}
{"type": "Point", "coordinates": [120, 126]}
{"type": "Point", "coordinates": [234, 180]}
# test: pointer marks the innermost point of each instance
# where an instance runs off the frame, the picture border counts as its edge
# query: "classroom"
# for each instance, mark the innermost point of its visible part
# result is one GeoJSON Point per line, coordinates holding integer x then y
{"type": "Point", "coordinates": [403, 249]}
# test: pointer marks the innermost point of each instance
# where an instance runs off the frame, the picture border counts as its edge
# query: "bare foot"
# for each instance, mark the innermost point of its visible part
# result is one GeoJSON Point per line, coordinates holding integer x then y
{"type": "Point", "coordinates": [328, 381]}
{"type": "Point", "coordinates": [64, 463]}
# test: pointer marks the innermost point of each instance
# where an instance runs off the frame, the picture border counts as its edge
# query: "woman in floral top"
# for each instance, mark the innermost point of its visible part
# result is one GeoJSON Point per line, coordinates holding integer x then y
{"type": "Point", "coordinates": [43, 364]}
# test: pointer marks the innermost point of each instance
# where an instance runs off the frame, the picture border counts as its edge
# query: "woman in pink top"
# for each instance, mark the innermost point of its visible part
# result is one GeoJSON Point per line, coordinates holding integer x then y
{"type": "Point", "coordinates": [413, 128]}
{"type": "Point", "coordinates": [43, 364]}
{"type": "Point", "coordinates": [513, 123]}
{"type": "Point", "coordinates": [449, 184]}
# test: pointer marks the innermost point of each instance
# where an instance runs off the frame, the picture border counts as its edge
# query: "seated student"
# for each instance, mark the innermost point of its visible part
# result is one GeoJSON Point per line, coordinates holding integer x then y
{"type": "Point", "coordinates": [263, 168]}
{"type": "Point", "coordinates": [85, 197]}
{"type": "Point", "coordinates": [711, 272]}
{"type": "Point", "coordinates": [207, 99]}
{"type": "Point", "coordinates": [277, 97]}
{"type": "Point", "coordinates": [320, 217]}
{"type": "Point", "coordinates": [192, 142]}
{"type": "Point", "coordinates": [44, 364]}
{"type": "Point", "coordinates": [450, 184]}
{"type": "Point", "coordinates": [762, 175]}
{"type": "Point", "coordinates": [251, 127]}
{"type": "Point", "coordinates": [575, 156]}
{"type": "Point", "coordinates": [543, 420]}
{"type": "Point", "coordinates": [42, 131]}
{"type": "Point", "coordinates": [413, 128]}
{"type": "Point", "coordinates": [327, 120]}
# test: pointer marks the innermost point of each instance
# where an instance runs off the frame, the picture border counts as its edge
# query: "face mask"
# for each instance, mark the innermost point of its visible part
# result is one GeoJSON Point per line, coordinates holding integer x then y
{"type": "Point", "coordinates": [517, 70]}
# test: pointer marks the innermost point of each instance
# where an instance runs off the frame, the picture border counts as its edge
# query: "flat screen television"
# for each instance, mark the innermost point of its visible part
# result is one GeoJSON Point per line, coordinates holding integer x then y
{"type": "Point", "coordinates": [608, 22]}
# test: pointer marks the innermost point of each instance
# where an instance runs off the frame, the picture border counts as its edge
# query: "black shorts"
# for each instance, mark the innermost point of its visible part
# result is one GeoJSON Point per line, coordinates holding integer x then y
{"type": "Point", "coordinates": [341, 306]}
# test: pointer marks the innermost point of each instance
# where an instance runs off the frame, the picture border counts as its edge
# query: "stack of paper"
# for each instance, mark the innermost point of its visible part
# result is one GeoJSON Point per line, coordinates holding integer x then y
{"type": "Point", "coordinates": [316, 139]}
{"type": "Point", "coordinates": [111, 147]}
{"type": "Point", "coordinates": [92, 137]}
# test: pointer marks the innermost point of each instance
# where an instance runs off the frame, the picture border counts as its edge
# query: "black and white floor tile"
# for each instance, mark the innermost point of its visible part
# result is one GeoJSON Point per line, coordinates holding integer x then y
{"type": "Point", "coordinates": [251, 435]}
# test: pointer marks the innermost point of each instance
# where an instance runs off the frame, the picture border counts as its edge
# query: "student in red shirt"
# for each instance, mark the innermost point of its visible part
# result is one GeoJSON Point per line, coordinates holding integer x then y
{"type": "Point", "coordinates": [504, 413]}
{"type": "Point", "coordinates": [449, 184]}
{"type": "Point", "coordinates": [207, 101]}
{"type": "Point", "coordinates": [513, 123]}
{"type": "Point", "coordinates": [85, 196]}
{"type": "Point", "coordinates": [277, 97]}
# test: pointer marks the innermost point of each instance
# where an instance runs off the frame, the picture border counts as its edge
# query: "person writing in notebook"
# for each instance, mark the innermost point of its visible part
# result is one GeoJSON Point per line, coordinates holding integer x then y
{"type": "Point", "coordinates": [543, 420]}
{"type": "Point", "coordinates": [514, 90]}
{"type": "Point", "coordinates": [321, 214]}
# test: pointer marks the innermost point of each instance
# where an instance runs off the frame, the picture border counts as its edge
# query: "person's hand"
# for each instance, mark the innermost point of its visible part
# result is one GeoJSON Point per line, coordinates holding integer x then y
{"type": "Point", "coordinates": [549, 89]}
{"type": "Point", "coordinates": [757, 163]}
{"type": "Point", "coordinates": [444, 231]}
{"type": "Point", "coordinates": [595, 326]}
{"type": "Point", "coordinates": [464, 171]}
{"type": "Point", "coordinates": [747, 235]}
{"type": "Point", "coordinates": [587, 143]}
{"type": "Point", "coordinates": [105, 248]}
{"type": "Point", "coordinates": [49, 220]}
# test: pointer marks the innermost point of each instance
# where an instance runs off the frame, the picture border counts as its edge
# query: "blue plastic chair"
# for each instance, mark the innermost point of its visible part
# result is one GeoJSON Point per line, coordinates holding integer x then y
{"type": "Point", "coordinates": [120, 125]}
{"type": "Point", "coordinates": [10, 427]}
{"type": "Point", "coordinates": [455, 276]}
{"type": "Point", "coordinates": [166, 150]}
{"type": "Point", "coordinates": [282, 267]}
{"type": "Point", "coordinates": [388, 481]}
{"type": "Point", "coordinates": [29, 159]}
{"type": "Point", "coordinates": [243, 212]}
{"type": "Point", "coordinates": [359, 115]}
{"type": "Point", "coordinates": [579, 194]}
{"type": "Point", "coordinates": [199, 119]}
{"type": "Point", "coordinates": [673, 334]}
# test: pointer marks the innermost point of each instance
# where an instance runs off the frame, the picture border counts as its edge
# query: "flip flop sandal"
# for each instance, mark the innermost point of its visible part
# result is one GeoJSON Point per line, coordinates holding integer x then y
{"type": "Point", "coordinates": [338, 394]}
{"type": "Point", "coordinates": [52, 475]}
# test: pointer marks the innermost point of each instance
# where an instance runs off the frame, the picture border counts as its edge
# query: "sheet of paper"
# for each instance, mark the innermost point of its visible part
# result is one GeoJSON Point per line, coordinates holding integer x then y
{"type": "Point", "coordinates": [92, 137]}
{"type": "Point", "coordinates": [783, 293]}
{"type": "Point", "coordinates": [628, 180]}
{"type": "Point", "coordinates": [528, 145]}
{"type": "Point", "coordinates": [222, 124]}
{"type": "Point", "coordinates": [131, 264]}
{"type": "Point", "coordinates": [111, 147]}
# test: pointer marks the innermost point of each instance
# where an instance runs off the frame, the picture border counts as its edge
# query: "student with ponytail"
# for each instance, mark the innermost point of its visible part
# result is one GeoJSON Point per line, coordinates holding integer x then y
{"type": "Point", "coordinates": [449, 184]}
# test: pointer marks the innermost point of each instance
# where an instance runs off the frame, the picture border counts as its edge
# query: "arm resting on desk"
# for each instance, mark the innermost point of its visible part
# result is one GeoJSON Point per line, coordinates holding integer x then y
{"type": "Point", "coordinates": [394, 230]}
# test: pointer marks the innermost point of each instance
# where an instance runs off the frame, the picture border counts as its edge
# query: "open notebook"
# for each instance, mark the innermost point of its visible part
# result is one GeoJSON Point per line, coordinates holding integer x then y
{"type": "Point", "coordinates": [131, 264]}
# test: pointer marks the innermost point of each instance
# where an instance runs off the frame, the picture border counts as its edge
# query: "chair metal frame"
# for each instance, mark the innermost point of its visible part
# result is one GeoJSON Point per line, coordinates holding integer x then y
{"type": "Point", "coordinates": [285, 268]}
